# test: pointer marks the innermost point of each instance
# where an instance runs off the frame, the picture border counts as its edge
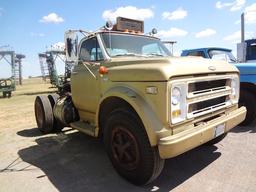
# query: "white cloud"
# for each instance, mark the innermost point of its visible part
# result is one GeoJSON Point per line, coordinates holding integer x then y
{"type": "Point", "coordinates": [238, 5]}
{"type": "Point", "coordinates": [33, 34]}
{"type": "Point", "coordinates": [52, 18]}
{"type": "Point", "coordinates": [172, 32]}
{"type": "Point", "coordinates": [233, 6]}
{"type": "Point", "coordinates": [206, 33]}
{"type": "Point", "coordinates": [220, 5]}
{"type": "Point", "coordinates": [250, 14]}
{"type": "Point", "coordinates": [179, 13]}
{"type": "Point", "coordinates": [236, 36]}
{"type": "Point", "coordinates": [128, 12]}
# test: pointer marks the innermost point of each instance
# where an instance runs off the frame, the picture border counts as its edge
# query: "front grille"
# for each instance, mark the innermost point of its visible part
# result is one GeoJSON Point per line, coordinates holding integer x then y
{"type": "Point", "coordinates": [206, 86]}
{"type": "Point", "coordinates": [208, 95]}
{"type": "Point", "coordinates": [202, 106]}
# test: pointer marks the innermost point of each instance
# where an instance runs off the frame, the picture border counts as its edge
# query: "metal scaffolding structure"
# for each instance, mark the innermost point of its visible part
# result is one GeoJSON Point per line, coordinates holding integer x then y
{"type": "Point", "coordinates": [49, 71]}
{"type": "Point", "coordinates": [43, 66]}
{"type": "Point", "coordinates": [18, 68]}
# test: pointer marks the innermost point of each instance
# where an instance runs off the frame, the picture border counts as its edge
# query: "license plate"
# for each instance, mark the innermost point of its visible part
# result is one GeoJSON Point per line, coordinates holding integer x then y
{"type": "Point", "coordinates": [219, 130]}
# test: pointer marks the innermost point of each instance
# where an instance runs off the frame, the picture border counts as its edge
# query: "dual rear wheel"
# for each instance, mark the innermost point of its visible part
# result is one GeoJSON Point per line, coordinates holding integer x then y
{"type": "Point", "coordinates": [44, 113]}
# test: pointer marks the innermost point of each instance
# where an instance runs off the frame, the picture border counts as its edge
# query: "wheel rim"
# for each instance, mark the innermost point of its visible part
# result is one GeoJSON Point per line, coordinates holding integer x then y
{"type": "Point", "coordinates": [39, 114]}
{"type": "Point", "coordinates": [125, 148]}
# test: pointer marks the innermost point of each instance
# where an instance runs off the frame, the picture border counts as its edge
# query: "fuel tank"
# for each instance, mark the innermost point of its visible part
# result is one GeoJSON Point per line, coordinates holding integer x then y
{"type": "Point", "coordinates": [65, 111]}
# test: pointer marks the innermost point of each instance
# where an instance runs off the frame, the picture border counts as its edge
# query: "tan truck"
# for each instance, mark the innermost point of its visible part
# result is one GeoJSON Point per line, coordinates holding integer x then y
{"type": "Point", "coordinates": [146, 105]}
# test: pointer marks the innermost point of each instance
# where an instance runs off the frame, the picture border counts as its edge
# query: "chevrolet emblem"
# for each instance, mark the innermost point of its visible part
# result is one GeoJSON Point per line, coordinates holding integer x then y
{"type": "Point", "coordinates": [212, 68]}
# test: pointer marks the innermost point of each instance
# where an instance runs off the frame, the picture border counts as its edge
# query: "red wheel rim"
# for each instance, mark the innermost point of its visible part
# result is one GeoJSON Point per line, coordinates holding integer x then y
{"type": "Point", "coordinates": [125, 148]}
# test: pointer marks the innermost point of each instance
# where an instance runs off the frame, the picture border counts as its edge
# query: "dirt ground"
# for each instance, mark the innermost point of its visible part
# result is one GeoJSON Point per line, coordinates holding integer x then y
{"type": "Point", "coordinates": [72, 161]}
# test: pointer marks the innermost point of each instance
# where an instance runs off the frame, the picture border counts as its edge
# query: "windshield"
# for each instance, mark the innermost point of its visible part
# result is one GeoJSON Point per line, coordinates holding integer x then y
{"type": "Point", "coordinates": [131, 45]}
{"type": "Point", "coordinates": [251, 52]}
{"type": "Point", "coordinates": [222, 55]}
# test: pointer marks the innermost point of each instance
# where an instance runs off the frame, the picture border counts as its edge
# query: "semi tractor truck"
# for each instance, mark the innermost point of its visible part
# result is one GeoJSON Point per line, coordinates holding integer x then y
{"type": "Point", "coordinates": [146, 105]}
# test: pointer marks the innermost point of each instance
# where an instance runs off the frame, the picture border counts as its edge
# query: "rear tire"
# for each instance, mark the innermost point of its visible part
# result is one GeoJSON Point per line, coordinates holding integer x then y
{"type": "Point", "coordinates": [53, 99]}
{"type": "Point", "coordinates": [57, 126]}
{"type": "Point", "coordinates": [248, 99]}
{"type": "Point", "coordinates": [43, 113]}
{"type": "Point", "coordinates": [129, 149]}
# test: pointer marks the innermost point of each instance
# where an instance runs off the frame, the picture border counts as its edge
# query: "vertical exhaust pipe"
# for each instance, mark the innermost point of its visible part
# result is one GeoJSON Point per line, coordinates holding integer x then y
{"type": "Point", "coordinates": [242, 28]}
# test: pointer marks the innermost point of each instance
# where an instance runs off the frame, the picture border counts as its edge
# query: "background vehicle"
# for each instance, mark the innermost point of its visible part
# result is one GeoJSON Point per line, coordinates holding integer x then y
{"type": "Point", "coordinates": [7, 85]}
{"type": "Point", "coordinates": [126, 89]}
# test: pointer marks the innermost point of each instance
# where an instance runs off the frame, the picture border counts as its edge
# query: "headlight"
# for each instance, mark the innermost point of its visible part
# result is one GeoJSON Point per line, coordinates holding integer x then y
{"type": "Point", "coordinates": [176, 96]}
{"type": "Point", "coordinates": [178, 103]}
{"type": "Point", "coordinates": [235, 87]}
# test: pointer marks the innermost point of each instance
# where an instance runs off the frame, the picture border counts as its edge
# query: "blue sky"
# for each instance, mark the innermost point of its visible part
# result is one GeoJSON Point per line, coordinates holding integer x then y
{"type": "Point", "coordinates": [30, 26]}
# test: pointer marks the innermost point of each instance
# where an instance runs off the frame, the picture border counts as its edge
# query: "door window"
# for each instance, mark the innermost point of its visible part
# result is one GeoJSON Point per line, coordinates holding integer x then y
{"type": "Point", "coordinates": [90, 50]}
{"type": "Point", "coordinates": [197, 53]}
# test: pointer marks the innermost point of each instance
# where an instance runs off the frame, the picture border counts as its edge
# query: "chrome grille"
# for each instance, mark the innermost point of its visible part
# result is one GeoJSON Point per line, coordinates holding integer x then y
{"type": "Point", "coordinates": [208, 95]}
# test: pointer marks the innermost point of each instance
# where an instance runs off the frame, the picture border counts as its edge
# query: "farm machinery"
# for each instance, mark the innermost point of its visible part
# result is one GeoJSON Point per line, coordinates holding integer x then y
{"type": "Point", "coordinates": [7, 85]}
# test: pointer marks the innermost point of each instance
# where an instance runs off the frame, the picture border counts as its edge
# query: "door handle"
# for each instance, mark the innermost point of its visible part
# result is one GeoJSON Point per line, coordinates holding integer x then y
{"type": "Point", "coordinates": [74, 73]}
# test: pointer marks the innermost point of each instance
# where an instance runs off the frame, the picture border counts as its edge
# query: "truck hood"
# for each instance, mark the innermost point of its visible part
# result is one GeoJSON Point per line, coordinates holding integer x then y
{"type": "Point", "coordinates": [246, 68]}
{"type": "Point", "coordinates": [164, 68]}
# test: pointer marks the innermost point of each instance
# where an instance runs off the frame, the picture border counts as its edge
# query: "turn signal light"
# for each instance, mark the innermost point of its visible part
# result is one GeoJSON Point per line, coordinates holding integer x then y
{"type": "Point", "coordinates": [103, 70]}
{"type": "Point", "coordinates": [176, 113]}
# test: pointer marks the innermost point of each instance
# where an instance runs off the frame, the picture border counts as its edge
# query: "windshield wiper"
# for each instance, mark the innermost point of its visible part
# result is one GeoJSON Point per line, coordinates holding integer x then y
{"type": "Point", "coordinates": [155, 54]}
{"type": "Point", "coordinates": [233, 60]}
{"type": "Point", "coordinates": [128, 54]}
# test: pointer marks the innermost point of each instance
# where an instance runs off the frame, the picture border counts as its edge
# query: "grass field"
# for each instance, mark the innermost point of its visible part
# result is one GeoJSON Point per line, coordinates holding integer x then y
{"type": "Point", "coordinates": [18, 110]}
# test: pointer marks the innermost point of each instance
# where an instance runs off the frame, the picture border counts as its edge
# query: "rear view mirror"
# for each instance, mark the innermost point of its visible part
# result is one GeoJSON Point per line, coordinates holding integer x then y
{"type": "Point", "coordinates": [71, 42]}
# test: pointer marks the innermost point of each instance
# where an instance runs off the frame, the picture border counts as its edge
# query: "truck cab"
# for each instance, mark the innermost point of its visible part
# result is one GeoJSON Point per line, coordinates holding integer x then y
{"type": "Point", "coordinates": [251, 50]}
{"type": "Point", "coordinates": [146, 105]}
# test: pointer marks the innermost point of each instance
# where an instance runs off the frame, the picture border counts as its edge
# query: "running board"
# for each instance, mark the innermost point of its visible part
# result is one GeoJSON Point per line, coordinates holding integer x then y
{"type": "Point", "coordinates": [84, 127]}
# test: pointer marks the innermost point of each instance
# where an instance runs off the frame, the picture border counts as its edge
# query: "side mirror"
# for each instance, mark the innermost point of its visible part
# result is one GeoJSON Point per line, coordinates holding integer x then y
{"type": "Point", "coordinates": [71, 41]}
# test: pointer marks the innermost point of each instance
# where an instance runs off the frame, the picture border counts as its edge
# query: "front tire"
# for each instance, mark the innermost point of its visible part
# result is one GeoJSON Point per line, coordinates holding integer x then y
{"type": "Point", "coordinates": [248, 100]}
{"type": "Point", "coordinates": [129, 149]}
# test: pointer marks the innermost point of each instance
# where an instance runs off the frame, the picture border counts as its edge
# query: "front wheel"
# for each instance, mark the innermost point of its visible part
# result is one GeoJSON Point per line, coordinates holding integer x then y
{"type": "Point", "coordinates": [129, 149]}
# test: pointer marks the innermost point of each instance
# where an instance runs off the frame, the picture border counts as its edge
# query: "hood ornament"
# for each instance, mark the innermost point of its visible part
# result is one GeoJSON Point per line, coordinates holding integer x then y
{"type": "Point", "coordinates": [212, 68]}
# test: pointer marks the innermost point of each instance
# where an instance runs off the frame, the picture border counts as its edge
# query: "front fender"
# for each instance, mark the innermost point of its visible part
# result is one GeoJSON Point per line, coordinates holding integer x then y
{"type": "Point", "coordinates": [248, 78]}
{"type": "Point", "coordinates": [144, 111]}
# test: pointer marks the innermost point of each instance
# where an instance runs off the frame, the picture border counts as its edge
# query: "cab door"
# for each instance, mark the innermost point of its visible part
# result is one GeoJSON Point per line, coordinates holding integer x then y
{"type": "Point", "coordinates": [85, 79]}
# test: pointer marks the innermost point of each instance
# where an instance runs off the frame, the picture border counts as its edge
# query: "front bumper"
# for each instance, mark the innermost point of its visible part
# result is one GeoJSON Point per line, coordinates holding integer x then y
{"type": "Point", "coordinates": [179, 143]}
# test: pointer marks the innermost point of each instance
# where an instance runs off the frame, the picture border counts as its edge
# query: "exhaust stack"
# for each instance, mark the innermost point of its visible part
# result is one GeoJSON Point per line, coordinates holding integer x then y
{"type": "Point", "coordinates": [242, 28]}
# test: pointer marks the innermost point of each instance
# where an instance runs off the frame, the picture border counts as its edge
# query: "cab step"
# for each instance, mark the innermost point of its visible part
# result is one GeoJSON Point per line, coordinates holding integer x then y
{"type": "Point", "coordinates": [84, 127]}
